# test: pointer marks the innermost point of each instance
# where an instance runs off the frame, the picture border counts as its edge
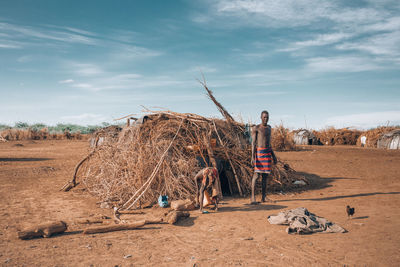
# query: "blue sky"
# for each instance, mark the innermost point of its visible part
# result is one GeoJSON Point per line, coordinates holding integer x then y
{"type": "Point", "coordinates": [313, 63]}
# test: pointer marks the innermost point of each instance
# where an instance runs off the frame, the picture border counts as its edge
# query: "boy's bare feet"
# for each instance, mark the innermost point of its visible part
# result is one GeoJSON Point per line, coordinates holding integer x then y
{"type": "Point", "coordinates": [266, 199]}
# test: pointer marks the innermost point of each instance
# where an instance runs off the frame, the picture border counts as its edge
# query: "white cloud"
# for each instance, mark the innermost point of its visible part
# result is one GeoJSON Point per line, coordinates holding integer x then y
{"type": "Point", "coordinates": [84, 69]}
{"type": "Point", "coordinates": [83, 85]}
{"type": "Point", "coordinates": [18, 31]}
{"type": "Point", "coordinates": [381, 44]}
{"type": "Point", "coordinates": [125, 52]}
{"type": "Point", "coordinates": [93, 78]}
{"type": "Point", "coordinates": [390, 24]}
{"type": "Point", "coordinates": [24, 59]}
{"type": "Point", "coordinates": [340, 64]}
{"type": "Point", "coordinates": [8, 45]}
{"type": "Point", "coordinates": [85, 119]}
{"type": "Point", "coordinates": [319, 40]}
{"type": "Point", "coordinates": [202, 69]}
{"type": "Point", "coordinates": [372, 28]}
{"type": "Point", "coordinates": [290, 13]}
{"type": "Point", "coordinates": [365, 120]}
{"type": "Point", "coordinates": [66, 81]}
{"type": "Point", "coordinates": [274, 13]}
{"type": "Point", "coordinates": [249, 94]}
{"type": "Point", "coordinates": [80, 31]}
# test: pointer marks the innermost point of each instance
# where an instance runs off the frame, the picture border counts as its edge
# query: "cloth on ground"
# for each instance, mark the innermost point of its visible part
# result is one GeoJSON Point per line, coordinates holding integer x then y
{"type": "Point", "coordinates": [211, 180]}
{"type": "Point", "coordinates": [301, 221]}
{"type": "Point", "coordinates": [262, 163]}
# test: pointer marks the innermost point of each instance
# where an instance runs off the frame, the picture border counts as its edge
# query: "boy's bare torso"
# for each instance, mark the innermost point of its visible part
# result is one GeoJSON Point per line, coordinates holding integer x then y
{"type": "Point", "coordinates": [263, 136]}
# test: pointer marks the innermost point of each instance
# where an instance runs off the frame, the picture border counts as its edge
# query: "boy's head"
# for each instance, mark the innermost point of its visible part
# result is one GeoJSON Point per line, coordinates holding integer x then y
{"type": "Point", "coordinates": [264, 117]}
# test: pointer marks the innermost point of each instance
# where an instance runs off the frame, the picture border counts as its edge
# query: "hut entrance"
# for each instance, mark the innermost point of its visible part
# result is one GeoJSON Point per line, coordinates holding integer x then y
{"type": "Point", "coordinates": [224, 183]}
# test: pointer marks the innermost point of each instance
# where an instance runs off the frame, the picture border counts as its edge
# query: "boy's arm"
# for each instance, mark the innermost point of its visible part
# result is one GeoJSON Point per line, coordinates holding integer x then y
{"type": "Point", "coordinates": [273, 156]}
{"type": "Point", "coordinates": [253, 142]}
{"type": "Point", "coordinates": [272, 151]}
{"type": "Point", "coordinates": [199, 175]}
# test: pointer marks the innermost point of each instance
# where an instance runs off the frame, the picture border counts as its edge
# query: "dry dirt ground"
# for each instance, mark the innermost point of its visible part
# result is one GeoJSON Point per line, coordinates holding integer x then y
{"type": "Point", "coordinates": [368, 179]}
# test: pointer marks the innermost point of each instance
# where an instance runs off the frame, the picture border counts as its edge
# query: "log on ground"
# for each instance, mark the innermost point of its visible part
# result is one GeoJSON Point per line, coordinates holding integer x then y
{"type": "Point", "coordinates": [173, 216]}
{"type": "Point", "coordinates": [113, 228]}
{"type": "Point", "coordinates": [186, 204]}
{"type": "Point", "coordinates": [44, 229]}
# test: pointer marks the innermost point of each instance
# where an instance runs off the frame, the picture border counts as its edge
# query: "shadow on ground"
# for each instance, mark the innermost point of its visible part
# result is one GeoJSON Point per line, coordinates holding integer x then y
{"type": "Point", "coordinates": [186, 222]}
{"type": "Point", "coordinates": [316, 183]}
{"type": "Point", "coordinates": [248, 207]}
{"type": "Point", "coordinates": [342, 196]}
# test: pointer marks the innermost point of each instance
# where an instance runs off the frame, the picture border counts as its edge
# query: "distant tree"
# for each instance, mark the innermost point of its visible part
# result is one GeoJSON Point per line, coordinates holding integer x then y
{"type": "Point", "coordinates": [4, 127]}
{"type": "Point", "coordinates": [38, 126]}
{"type": "Point", "coordinates": [21, 125]}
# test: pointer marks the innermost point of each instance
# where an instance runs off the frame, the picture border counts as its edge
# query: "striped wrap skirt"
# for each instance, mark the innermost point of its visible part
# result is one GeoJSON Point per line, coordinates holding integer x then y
{"type": "Point", "coordinates": [263, 160]}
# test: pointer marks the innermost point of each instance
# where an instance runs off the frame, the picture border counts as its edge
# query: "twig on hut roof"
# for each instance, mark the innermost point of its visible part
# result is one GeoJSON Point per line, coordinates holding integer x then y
{"type": "Point", "coordinates": [188, 116]}
{"type": "Point", "coordinates": [124, 117]}
{"type": "Point", "coordinates": [221, 109]}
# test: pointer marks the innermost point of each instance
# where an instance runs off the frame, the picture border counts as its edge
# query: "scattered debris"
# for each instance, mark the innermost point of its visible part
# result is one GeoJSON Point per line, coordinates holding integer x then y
{"type": "Point", "coordinates": [301, 221]}
{"type": "Point", "coordinates": [105, 205]}
{"type": "Point", "coordinates": [299, 182]}
{"type": "Point", "coordinates": [163, 201]}
{"type": "Point", "coordinates": [89, 221]}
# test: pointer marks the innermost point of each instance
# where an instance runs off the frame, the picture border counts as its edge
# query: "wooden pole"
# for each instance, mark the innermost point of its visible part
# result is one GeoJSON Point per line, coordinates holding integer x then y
{"type": "Point", "coordinates": [113, 228]}
{"type": "Point", "coordinates": [71, 184]}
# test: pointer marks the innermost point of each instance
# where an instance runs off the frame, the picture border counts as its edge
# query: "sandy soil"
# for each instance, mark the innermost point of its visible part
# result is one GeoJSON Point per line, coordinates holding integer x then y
{"type": "Point", "coordinates": [239, 234]}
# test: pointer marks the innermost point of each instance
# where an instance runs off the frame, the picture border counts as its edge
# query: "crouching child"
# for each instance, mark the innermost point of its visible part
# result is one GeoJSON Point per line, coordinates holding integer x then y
{"type": "Point", "coordinates": [208, 180]}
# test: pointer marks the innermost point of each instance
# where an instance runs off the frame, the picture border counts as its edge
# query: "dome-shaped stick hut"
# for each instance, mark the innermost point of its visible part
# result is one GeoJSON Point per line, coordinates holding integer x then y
{"type": "Point", "coordinates": [162, 155]}
{"type": "Point", "coordinates": [390, 140]}
{"type": "Point", "coordinates": [304, 137]}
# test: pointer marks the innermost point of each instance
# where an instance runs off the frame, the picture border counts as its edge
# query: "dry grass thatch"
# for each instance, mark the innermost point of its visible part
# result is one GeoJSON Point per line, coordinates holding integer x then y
{"type": "Point", "coordinates": [332, 136]}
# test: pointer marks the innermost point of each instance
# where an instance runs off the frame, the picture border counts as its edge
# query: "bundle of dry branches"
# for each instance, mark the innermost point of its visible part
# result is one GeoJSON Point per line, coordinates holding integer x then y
{"type": "Point", "coordinates": [282, 139]}
{"type": "Point", "coordinates": [161, 156]}
{"type": "Point", "coordinates": [332, 136]}
{"type": "Point", "coordinates": [43, 134]}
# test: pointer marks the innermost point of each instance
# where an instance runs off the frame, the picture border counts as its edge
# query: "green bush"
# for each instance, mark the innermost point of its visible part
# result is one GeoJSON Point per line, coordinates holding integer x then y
{"type": "Point", "coordinates": [4, 127]}
{"type": "Point", "coordinates": [59, 128]}
{"type": "Point", "coordinates": [21, 125]}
